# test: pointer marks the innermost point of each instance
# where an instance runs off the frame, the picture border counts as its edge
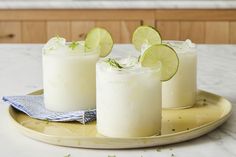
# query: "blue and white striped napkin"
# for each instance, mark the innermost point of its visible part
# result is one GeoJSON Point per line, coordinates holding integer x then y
{"type": "Point", "coordinates": [33, 105]}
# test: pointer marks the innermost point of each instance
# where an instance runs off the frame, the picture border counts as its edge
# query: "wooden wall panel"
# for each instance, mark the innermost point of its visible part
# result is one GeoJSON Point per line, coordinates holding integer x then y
{"type": "Point", "coordinates": [217, 32]}
{"type": "Point", "coordinates": [79, 29]}
{"type": "Point", "coordinates": [150, 22]}
{"type": "Point", "coordinates": [10, 32]}
{"type": "Point", "coordinates": [33, 32]}
{"type": "Point", "coordinates": [232, 32]}
{"type": "Point", "coordinates": [170, 30]}
{"type": "Point", "coordinates": [113, 27]}
{"type": "Point", "coordinates": [61, 28]}
{"type": "Point", "coordinates": [127, 29]}
{"type": "Point", "coordinates": [200, 25]}
{"type": "Point", "coordinates": [194, 31]}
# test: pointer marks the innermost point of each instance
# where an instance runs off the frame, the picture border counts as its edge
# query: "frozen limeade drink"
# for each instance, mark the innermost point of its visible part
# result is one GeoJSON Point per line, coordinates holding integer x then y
{"type": "Point", "coordinates": [128, 98]}
{"type": "Point", "coordinates": [69, 73]}
{"type": "Point", "coordinates": [180, 91]}
{"type": "Point", "coordinates": [129, 89]}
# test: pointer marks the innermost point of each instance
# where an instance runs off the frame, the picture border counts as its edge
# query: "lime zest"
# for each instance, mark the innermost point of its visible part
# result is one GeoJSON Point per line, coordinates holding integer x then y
{"type": "Point", "coordinates": [58, 36]}
{"type": "Point", "coordinates": [112, 62]}
{"type": "Point", "coordinates": [68, 155]}
{"type": "Point", "coordinates": [73, 45]}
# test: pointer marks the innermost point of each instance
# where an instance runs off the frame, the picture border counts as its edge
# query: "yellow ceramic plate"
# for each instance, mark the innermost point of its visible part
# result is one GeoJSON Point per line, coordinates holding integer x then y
{"type": "Point", "coordinates": [209, 112]}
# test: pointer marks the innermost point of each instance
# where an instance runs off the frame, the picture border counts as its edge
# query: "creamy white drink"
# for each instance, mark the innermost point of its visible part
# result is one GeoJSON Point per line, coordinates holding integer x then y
{"type": "Point", "coordinates": [180, 91]}
{"type": "Point", "coordinates": [128, 98]}
{"type": "Point", "coordinates": [68, 76]}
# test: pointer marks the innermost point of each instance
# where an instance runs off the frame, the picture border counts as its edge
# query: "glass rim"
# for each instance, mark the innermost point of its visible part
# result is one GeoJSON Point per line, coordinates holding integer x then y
{"type": "Point", "coordinates": [107, 68]}
{"type": "Point", "coordinates": [179, 49]}
{"type": "Point", "coordinates": [69, 54]}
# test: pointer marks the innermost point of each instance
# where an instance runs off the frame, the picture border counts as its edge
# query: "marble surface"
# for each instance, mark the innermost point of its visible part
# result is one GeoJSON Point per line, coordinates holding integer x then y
{"type": "Point", "coordinates": [21, 73]}
{"type": "Point", "coordinates": [117, 4]}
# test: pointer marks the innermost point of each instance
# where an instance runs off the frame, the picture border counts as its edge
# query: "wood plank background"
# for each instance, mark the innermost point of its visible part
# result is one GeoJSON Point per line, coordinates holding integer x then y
{"type": "Point", "coordinates": [37, 26]}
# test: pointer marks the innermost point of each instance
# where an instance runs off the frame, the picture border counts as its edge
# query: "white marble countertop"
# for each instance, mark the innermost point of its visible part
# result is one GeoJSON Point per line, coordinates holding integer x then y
{"type": "Point", "coordinates": [21, 73]}
{"type": "Point", "coordinates": [117, 4]}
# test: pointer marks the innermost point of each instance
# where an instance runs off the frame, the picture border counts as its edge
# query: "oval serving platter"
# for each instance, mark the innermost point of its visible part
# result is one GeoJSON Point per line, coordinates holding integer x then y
{"type": "Point", "coordinates": [209, 112]}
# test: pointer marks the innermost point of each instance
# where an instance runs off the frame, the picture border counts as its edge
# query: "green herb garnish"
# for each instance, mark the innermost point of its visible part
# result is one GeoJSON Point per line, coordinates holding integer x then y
{"type": "Point", "coordinates": [73, 45]}
{"type": "Point", "coordinates": [113, 63]}
{"type": "Point", "coordinates": [139, 58]}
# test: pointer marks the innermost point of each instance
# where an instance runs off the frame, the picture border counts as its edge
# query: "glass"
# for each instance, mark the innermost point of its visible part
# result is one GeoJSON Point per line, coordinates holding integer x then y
{"type": "Point", "coordinates": [128, 101]}
{"type": "Point", "coordinates": [180, 91]}
{"type": "Point", "coordinates": [69, 80]}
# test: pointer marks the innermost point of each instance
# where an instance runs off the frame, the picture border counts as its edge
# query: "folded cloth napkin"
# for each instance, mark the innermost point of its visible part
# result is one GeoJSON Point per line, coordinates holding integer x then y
{"type": "Point", "coordinates": [33, 105]}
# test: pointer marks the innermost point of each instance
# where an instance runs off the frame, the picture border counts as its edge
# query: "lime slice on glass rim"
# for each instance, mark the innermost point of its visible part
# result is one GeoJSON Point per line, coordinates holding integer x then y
{"type": "Point", "coordinates": [145, 35]}
{"type": "Point", "coordinates": [165, 55]}
{"type": "Point", "coordinates": [99, 38]}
